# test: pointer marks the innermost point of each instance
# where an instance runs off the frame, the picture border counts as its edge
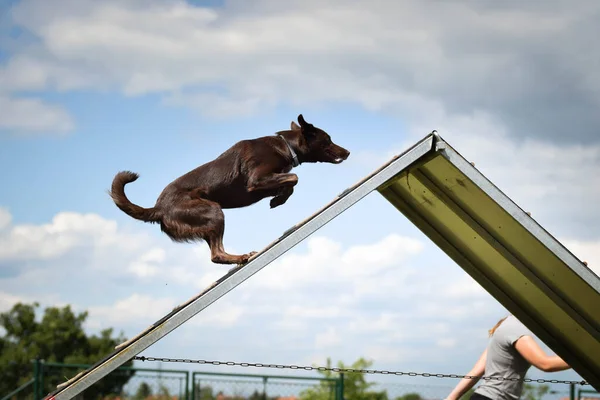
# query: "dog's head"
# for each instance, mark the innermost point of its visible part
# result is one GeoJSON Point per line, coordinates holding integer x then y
{"type": "Point", "coordinates": [319, 144]}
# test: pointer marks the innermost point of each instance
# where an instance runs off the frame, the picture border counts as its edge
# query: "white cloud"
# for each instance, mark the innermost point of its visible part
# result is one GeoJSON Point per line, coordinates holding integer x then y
{"type": "Point", "coordinates": [90, 247]}
{"type": "Point", "coordinates": [447, 342]}
{"type": "Point", "coordinates": [326, 262]}
{"type": "Point", "coordinates": [392, 250]}
{"type": "Point", "coordinates": [297, 317]}
{"type": "Point", "coordinates": [322, 292]}
{"type": "Point", "coordinates": [147, 264]}
{"type": "Point", "coordinates": [391, 355]}
{"type": "Point", "coordinates": [99, 254]}
{"type": "Point", "coordinates": [227, 316]}
{"type": "Point", "coordinates": [586, 251]}
{"type": "Point", "coordinates": [217, 106]}
{"type": "Point", "coordinates": [5, 218]}
{"type": "Point", "coordinates": [383, 321]}
{"type": "Point", "coordinates": [313, 312]}
{"type": "Point", "coordinates": [8, 300]}
{"type": "Point", "coordinates": [240, 60]}
{"type": "Point", "coordinates": [137, 308]}
{"type": "Point", "coordinates": [23, 73]}
{"type": "Point", "coordinates": [465, 288]}
{"type": "Point", "coordinates": [67, 232]}
{"type": "Point", "coordinates": [327, 339]}
{"type": "Point", "coordinates": [32, 115]}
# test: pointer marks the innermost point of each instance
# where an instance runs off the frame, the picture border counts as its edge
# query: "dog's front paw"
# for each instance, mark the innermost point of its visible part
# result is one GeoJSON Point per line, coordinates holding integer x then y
{"type": "Point", "coordinates": [277, 201]}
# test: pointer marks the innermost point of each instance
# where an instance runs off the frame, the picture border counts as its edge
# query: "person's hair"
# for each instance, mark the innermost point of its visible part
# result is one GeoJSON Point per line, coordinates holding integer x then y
{"type": "Point", "coordinates": [491, 331]}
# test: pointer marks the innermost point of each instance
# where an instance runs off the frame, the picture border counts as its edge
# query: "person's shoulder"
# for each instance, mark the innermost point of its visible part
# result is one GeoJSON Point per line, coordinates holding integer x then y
{"type": "Point", "coordinates": [513, 329]}
{"type": "Point", "coordinates": [514, 322]}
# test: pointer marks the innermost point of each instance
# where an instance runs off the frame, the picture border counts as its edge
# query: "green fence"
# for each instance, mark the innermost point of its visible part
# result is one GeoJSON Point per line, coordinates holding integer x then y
{"type": "Point", "coordinates": [131, 383]}
{"type": "Point", "coordinates": [24, 391]}
{"type": "Point", "coordinates": [213, 385]}
{"type": "Point", "coordinates": [587, 394]}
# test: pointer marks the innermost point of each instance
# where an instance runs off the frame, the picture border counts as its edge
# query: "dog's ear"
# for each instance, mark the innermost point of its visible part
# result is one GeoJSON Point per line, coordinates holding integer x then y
{"type": "Point", "coordinates": [295, 126]}
{"type": "Point", "coordinates": [308, 130]}
{"type": "Point", "coordinates": [301, 120]}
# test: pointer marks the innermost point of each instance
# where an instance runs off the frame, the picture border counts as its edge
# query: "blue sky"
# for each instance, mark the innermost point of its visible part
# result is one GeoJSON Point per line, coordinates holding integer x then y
{"type": "Point", "coordinates": [159, 87]}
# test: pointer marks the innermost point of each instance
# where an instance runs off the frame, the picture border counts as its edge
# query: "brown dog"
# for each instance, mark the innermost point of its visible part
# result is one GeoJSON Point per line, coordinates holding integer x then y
{"type": "Point", "coordinates": [190, 207]}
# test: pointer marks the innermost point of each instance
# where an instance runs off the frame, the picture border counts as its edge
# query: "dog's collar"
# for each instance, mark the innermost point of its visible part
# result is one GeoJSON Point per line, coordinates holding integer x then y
{"type": "Point", "coordinates": [295, 161]}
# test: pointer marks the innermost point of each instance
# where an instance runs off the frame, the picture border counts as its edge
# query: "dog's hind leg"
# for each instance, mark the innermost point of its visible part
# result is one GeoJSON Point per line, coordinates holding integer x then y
{"type": "Point", "coordinates": [202, 219]}
{"type": "Point", "coordinates": [218, 254]}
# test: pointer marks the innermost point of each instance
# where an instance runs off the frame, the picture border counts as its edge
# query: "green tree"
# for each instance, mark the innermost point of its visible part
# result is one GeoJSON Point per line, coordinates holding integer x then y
{"type": "Point", "coordinates": [143, 392]}
{"type": "Point", "coordinates": [163, 393]}
{"type": "Point", "coordinates": [256, 395]}
{"type": "Point", "coordinates": [59, 337]}
{"type": "Point", "coordinates": [534, 392]}
{"type": "Point", "coordinates": [355, 385]}
{"type": "Point", "coordinates": [410, 396]}
{"type": "Point", "coordinates": [204, 392]}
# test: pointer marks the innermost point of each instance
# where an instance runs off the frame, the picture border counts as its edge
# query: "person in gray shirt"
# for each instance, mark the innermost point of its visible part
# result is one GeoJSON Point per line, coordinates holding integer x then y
{"type": "Point", "coordinates": [510, 352]}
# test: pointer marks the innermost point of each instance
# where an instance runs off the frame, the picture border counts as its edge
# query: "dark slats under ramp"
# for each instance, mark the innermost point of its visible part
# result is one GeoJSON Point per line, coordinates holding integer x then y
{"type": "Point", "coordinates": [511, 256]}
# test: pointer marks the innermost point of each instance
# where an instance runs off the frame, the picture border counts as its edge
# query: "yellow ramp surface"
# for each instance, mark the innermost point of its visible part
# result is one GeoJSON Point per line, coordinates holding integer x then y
{"type": "Point", "coordinates": [503, 248]}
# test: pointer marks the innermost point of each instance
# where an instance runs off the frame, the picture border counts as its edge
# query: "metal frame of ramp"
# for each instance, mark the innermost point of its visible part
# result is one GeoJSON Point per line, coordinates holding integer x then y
{"type": "Point", "coordinates": [236, 276]}
{"type": "Point", "coordinates": [511, 256]}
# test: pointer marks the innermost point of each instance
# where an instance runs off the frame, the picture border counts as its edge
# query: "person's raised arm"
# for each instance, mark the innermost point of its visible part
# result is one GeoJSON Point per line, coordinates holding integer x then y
{"type": "Point", "coordinates": [467, 383]}
{"type": "Point", "coordinates": [533, 353]}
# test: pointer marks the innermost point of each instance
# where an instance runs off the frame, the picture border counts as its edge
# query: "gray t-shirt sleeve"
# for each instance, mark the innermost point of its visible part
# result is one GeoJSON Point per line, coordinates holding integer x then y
{"type": "Point", "coordinates": [514, 331]}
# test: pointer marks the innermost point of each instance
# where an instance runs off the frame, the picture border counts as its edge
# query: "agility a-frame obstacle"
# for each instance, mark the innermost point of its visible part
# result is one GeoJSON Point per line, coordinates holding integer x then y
{"type": "Point", "coordinates": [498, 244]}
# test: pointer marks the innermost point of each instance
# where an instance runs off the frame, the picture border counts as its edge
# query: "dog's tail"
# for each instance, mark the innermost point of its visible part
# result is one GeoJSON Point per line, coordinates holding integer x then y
{"type": "Point", "coordinates": [117, 193]}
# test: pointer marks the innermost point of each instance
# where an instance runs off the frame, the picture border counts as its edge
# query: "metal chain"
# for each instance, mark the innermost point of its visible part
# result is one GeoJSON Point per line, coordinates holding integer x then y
{"type": "Point", "coordinates": [350, 370]}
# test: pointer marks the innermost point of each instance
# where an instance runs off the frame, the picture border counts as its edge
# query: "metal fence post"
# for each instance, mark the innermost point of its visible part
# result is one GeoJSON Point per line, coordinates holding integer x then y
{"type": "Point", "coordinates": [341, 386]}
{"type": "Point", "coordinates": [187, 386]}
{"type": "Point", "coordinates": [265, 387]}
{"type": "Point", "coordinates": [36, 379]}
{"type": "Point", "coordinates": [572, 391]}
{"type": "Point", "coordinates": [195, 389]}
{"type": "Point", "coordinates": [41, 380]}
